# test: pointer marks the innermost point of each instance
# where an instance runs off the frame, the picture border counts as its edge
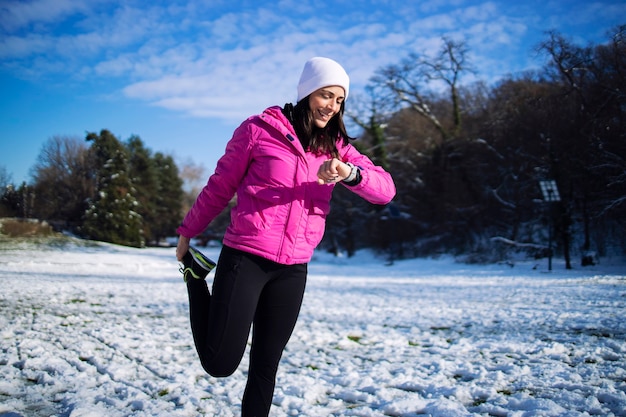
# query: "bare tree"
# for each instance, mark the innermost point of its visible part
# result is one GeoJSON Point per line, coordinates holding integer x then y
{"type": "Point", "coordinates": [63, 180]}
{"type": "Point", "coordinates": [194, 177]}
{"type": "Point", "coordinates": [589, 142]}
{"type": "Point", "coordinates": [418, 79]}
{"type": "Point", "coordinates": [5, 179]}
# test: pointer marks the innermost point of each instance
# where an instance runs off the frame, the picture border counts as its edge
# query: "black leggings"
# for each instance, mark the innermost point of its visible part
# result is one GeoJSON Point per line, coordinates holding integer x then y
{"type": "Point", "coordinates": [247, 289]}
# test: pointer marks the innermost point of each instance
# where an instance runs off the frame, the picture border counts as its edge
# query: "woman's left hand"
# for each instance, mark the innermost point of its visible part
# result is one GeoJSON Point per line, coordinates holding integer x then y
{"type": "Point", "coordinates": [182, 247]}
{"type": "Point", "coordinates": [332, 170]}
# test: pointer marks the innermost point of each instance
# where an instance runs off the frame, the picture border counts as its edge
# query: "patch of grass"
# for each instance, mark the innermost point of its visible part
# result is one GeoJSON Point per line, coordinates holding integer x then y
{"type": "Point", "coordinates": [479, 401]}
{"type": "Point", "coordinates": [17, 234]}
{"type": "Point", "coordinates": [13, 227]}
{"type": "Point", "coordinates": [355, 339]}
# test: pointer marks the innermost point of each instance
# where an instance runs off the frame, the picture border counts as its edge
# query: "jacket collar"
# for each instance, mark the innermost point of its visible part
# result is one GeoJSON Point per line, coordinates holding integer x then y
{"type": "Point", "coordinates": [274, 117]}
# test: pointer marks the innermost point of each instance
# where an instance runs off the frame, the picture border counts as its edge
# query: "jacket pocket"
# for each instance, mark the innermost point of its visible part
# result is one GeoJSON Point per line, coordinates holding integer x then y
{"type": "Point", "coordinates": [254, 213]}
{"type": "Point", "coordinates": [316, 221]}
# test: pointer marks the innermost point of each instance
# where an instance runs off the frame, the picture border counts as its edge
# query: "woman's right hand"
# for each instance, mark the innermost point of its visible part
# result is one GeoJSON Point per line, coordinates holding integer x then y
{"type": "Point", "coordinates": [332, 170]}
{"type": "Point", "coordinates": [182, 247]}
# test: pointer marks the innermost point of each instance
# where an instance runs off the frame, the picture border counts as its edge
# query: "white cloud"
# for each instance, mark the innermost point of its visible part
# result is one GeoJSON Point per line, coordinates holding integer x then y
{"type": "Point", "coordinates": [16, 14]}
{"type": "Point", "coordinates": [19, 47]}
{"type": "Point", "coordinates": [190, 58]}
{"type": "Point", "coordinates": [115, 67]}
{"type": "Point", "coordinates": [208, 81]}
{"type": "Point", "coordinates": [233, 84]}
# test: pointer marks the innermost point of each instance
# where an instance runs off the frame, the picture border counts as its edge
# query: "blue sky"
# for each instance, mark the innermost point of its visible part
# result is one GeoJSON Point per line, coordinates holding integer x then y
{"type": "Point", "coordinates": [183, 74]}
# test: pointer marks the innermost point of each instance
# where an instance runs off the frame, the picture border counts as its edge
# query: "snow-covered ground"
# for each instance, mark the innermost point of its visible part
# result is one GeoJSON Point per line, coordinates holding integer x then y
{"type": "Point", "coordinates": [102, 330]}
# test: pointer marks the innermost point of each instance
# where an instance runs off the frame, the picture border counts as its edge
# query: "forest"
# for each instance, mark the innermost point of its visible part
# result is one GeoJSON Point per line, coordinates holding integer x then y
{"type": "Point", "coordinates": [468, 159]}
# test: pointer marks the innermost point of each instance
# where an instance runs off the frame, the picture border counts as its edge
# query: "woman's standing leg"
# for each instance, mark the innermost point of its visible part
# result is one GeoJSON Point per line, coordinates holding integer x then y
{"type": "Point", "coordinates": [274, 321]}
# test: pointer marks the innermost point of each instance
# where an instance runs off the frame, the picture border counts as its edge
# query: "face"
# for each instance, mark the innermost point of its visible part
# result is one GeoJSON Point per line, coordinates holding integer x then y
{"type": "Point", "coordinates": [325, 103]}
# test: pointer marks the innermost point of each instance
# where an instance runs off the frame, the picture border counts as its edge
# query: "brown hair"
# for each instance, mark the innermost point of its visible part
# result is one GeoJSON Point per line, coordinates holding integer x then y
{"type": "Point", "coordinates": [320, 141]}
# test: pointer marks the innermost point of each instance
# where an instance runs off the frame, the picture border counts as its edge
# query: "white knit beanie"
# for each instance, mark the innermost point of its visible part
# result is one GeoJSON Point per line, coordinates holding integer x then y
{"type": "Point", "coordinates": [321, 72]}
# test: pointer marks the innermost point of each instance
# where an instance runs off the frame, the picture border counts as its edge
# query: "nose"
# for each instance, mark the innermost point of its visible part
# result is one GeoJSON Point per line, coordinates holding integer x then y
{"type": "Point", "coordinates": [334, 106]}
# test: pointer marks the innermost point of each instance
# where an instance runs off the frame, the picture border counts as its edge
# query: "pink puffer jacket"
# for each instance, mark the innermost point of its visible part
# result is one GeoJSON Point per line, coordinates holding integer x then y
{"type": "Point", "coordinates": [281, 209]}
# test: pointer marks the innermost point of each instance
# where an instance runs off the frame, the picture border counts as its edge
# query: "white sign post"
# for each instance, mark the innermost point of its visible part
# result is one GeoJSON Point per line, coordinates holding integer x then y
{"type": "Point", "coordinates": [550, 195]}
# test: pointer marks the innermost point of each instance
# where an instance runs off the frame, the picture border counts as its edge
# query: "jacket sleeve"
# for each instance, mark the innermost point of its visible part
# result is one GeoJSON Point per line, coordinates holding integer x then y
{"type": "Point", "coordinates": [222, 185]}
{"type": "Point", "coordinates": [376, 184]}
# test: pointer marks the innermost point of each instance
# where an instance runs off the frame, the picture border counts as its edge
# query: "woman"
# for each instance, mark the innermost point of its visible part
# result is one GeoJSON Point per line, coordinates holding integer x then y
{"type": "Point", "coordinates": [283, 166]}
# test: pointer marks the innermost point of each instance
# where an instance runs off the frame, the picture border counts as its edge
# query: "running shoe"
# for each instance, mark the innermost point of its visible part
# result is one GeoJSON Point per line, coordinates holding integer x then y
{"type": "Point", "coordinates": [196, 265]}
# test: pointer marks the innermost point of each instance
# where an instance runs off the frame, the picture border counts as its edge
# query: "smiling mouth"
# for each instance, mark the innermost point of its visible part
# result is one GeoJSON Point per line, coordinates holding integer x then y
{"type": "Point", "coordinates": [324, 115]}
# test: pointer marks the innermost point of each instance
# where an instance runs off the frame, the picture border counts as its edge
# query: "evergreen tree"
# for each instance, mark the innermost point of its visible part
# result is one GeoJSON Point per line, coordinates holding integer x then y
{"type": "Point", "coordinates": [168, 199]}
{"type": "Point", "coordinates": [17, 202]}
{"type": "Point", "coordinates": [143, 175]}
{"type": "Point", "coordinates": [112, 215]}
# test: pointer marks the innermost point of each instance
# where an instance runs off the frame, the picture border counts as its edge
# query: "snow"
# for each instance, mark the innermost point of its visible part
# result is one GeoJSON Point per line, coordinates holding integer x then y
{"type": "Point", "coordinates": [92, 330]}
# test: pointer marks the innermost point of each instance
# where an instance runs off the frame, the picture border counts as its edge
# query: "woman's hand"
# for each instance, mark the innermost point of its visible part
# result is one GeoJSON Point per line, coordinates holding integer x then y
{"type": "Point", "coordinates": [182, 247]}
{"type": "Point", "coordinates": [332, 170]}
